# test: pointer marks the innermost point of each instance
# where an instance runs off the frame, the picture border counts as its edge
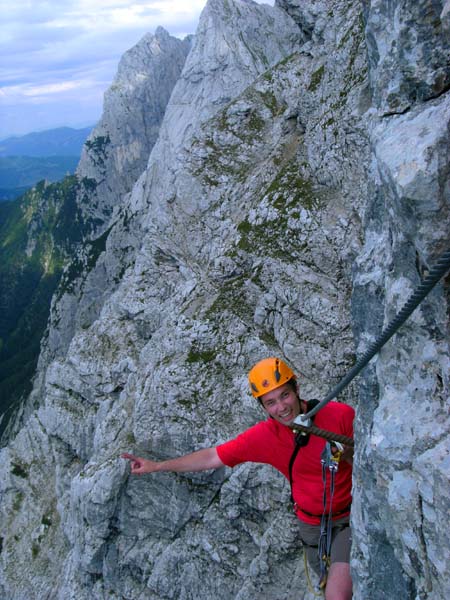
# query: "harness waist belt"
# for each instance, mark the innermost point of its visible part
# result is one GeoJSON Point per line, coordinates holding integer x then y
{"type": "Point", "coordinates": [335, 514]}
{"type": "Point", "coordinates": [339, 527]}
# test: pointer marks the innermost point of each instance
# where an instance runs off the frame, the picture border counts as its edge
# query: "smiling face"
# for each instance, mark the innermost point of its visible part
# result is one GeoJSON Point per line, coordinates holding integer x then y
{"type": "Point", "coordinates": [282, 403]}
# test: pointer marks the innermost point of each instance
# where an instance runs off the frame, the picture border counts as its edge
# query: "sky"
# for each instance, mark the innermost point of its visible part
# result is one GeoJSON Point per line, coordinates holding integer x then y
{"type": "Point", "coordinates": [57, 57]}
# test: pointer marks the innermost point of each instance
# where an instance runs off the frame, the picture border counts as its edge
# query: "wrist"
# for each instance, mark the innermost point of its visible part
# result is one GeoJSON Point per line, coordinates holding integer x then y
{"type": "Point", "coordinates": [157, 467]}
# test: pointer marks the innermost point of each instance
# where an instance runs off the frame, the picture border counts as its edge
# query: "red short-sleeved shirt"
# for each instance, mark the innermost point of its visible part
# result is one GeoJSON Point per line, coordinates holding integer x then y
{"type": "Point", "coordinates": [272, 443]}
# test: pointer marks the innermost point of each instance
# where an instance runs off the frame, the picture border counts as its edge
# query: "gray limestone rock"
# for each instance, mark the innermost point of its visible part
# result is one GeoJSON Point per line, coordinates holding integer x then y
{"type": "Point", "coordinates": [409, 46]}
{"type": "Point", "coordinates": [114, 157]}
{"type": "Point", "coordinates": [117, 151]}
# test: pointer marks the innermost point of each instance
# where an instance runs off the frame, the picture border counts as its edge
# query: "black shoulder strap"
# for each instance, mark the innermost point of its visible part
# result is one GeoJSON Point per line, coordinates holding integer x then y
{"type": "Point", "coordinates": [291, 464]}
{"type": "Point", "coordinates": [301, 439]}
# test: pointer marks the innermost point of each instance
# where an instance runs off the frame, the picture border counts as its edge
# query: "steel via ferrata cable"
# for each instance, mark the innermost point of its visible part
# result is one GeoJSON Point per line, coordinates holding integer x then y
{"type": "Point", "coordinates": [439, 269]}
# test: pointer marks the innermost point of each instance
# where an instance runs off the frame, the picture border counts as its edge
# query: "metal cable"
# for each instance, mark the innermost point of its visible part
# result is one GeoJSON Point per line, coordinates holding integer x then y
{"type": "Point", "coordinates": [325, 434]}
{"type": "Point", "coordinates": [436, 273]}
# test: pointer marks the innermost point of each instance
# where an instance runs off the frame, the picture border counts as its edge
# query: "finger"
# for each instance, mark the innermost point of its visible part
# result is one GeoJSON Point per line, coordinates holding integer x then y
{"type": "Point", "coordinates": [128, 456]}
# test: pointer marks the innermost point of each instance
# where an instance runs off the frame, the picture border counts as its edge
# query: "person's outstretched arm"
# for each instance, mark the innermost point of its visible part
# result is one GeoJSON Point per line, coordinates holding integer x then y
{"type": "Point", "coordinates": [202, 460]}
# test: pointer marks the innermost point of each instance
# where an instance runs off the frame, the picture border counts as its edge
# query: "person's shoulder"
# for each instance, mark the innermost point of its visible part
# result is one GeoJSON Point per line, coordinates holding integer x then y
{"type": "Point", "coordinates": [260, 428]}
{"type": "Point", "coordinates": [272, 433]}
{"type": "Point", "coordinates": [265, 431]}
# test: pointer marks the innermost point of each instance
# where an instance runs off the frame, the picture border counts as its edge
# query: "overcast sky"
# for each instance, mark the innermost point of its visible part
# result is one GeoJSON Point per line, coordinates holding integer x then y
{"type": "Point", "coordinates": [59, 56]}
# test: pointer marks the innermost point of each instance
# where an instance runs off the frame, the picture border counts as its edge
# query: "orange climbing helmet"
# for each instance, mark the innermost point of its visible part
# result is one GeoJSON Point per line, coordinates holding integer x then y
{"type": "Point", "coordinates": [268, 374]}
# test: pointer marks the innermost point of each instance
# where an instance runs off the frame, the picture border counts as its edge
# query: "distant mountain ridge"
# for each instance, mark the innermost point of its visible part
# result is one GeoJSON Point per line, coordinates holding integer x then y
{"type": "Point", "coordinates": [25, 171]}
{"type": "Point", "coordinates": [62, 141]}
{"type": "Point", "coordinates": [45, 155]}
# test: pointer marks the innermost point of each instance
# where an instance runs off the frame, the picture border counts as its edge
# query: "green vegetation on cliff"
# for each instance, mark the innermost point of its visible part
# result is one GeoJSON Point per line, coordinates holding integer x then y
{"type": "Point", "coordinates": [38, 234]}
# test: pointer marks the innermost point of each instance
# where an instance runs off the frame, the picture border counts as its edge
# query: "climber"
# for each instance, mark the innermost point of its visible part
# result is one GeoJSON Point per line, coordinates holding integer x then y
{"type": "Point", "coordinates": [273, 442]}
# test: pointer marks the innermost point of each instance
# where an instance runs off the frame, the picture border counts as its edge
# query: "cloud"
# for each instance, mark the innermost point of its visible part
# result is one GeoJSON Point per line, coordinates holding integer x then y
{"type": "Point", "coordinates": [53, 51]}
{"type": "Point", "coordinates": [50, 89]}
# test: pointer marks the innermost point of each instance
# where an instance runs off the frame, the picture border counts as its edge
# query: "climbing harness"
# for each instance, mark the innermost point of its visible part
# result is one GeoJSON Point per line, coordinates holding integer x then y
{"type": "Point", "coordinates": [436, 273]}
{"type": "Point", "coordinates": [330, 462]}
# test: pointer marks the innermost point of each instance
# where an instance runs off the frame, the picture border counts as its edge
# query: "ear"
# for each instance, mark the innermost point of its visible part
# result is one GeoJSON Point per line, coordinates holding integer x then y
{"type": "Point", "coordinates": [303, 406]}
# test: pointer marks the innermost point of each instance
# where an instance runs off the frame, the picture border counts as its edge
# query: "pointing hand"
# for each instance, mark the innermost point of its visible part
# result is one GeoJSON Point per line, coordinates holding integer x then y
{"type": "Point", "coordinates": [138, 465]}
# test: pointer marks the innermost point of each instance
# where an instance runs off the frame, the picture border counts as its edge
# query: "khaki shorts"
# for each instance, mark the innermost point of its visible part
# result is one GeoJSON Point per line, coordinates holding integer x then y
{"type": "Point", "coordinates": [340, 544]}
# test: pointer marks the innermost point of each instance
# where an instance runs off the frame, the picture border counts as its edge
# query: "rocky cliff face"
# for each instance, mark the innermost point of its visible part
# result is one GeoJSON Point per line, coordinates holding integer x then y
{"type": "Point", "coordinates": [64, 226]}
{"type": "Point", "coordinates": [117, 151]}
{"type": "Point", "coordinates": [115, 155]}
{"type": "Point", "coordinates": [289, 205]}
{"type": "Point", "coordinates": [403, 458]}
